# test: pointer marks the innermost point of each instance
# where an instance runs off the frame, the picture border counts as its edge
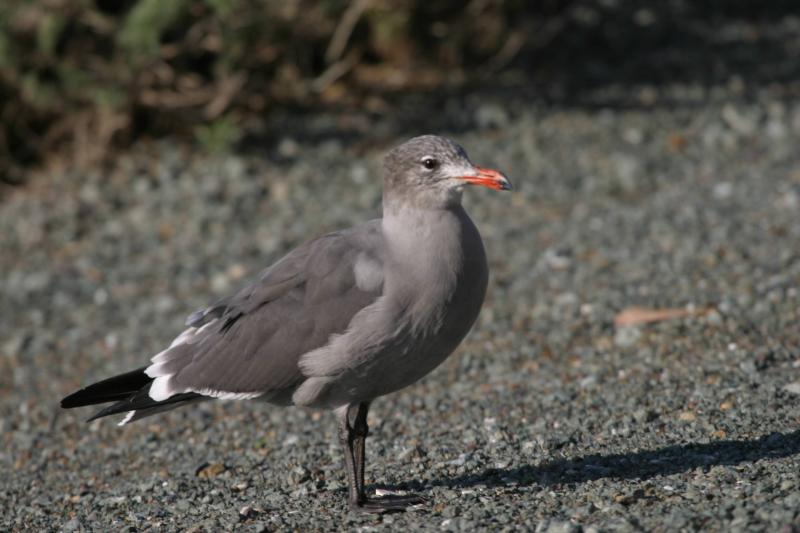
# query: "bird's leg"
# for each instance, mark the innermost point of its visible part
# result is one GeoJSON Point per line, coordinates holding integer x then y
{"type": "Point", "coordinates": [346, 438]}
{"type": "Point", "coordinates": [360, 432]}
{"type": "Point", "coordinates": [353, 437]}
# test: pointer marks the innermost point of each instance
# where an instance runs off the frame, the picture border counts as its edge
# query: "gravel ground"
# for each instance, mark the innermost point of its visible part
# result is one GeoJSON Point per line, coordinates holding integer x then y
{"type": "Point", "coordinates": [550, 417]}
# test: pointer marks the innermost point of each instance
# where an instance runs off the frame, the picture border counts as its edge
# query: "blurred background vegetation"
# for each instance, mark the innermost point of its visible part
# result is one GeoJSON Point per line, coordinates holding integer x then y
{"type": "Point", "coordinates": [79, 78]}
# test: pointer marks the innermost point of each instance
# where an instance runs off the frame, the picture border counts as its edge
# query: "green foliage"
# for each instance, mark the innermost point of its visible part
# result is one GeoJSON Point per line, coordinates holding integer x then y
{"type": "Point", "coordinates": [219, 136]}
{"type": "Point", "coordinates": [222, 8]}
{"type": "Point", "coordinates": [38, 93]}
{"type": "Point", "coordinates": [6, 62]}
{"type": "Point", "coordinates": [48, 33]}
{"type": "Point", "coordinates": [148, 20]}
{"type": "Point", "coordinates": [107, 97]}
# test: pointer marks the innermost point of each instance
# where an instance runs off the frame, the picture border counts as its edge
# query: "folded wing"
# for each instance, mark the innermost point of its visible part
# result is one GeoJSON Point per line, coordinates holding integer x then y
{"type": "Point", "coordinates": [248, 345]}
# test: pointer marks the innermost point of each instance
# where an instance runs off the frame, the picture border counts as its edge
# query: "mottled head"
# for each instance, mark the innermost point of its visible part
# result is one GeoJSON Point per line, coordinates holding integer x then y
{"type": "Point", "coordinates": [432, 171]}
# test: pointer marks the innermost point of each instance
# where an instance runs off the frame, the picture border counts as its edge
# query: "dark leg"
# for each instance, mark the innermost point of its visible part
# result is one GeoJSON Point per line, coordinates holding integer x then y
{"type": "Point", "coordinates": [360, 432]}
{"type": "Point", "coordinates": [353, 437]}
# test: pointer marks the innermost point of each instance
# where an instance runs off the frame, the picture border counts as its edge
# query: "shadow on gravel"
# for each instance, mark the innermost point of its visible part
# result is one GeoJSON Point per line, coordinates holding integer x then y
{"type": "Point", "coordinates": [643, 465]}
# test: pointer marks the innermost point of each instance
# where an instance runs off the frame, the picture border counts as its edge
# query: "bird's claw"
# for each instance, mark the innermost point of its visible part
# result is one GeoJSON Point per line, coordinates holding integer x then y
{"type": "Point", "coordinates": [390, 503]}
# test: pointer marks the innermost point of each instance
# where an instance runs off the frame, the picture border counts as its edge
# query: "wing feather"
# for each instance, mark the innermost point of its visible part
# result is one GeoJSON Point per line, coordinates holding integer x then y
{"type": "Point", "coordinates": [250, 343]}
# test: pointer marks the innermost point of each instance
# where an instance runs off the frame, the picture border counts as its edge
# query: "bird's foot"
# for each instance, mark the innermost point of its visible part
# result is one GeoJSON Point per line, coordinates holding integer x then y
{"type": "Point", "coordinates": [388, 503]}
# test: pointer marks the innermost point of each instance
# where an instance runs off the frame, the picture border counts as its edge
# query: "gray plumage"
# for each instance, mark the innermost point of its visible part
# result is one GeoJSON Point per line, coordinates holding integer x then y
{"type": "Point", "coordinates": [251, 343]}
{"type": "Point", "coordinates": [344, 318]}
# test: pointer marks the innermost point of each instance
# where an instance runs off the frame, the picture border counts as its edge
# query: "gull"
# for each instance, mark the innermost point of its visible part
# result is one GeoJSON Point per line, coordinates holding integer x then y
{"type": "Point", "coordinates": [340, 320]}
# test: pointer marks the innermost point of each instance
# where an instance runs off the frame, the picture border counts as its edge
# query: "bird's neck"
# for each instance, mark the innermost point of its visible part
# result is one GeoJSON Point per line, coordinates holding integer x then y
{"type": "Point", "coordinates": [425, 244]}
{"type": "Point", "coordinates": [400, 202]}
{"type": "Point", "coordinates": [433, 258]}
{"type": "Point", "coordinates": [410, 227]}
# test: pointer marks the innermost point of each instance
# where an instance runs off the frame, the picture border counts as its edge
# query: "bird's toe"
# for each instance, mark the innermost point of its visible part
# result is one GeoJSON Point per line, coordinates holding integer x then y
{"type": "Point", "coordinates": [391, 503]}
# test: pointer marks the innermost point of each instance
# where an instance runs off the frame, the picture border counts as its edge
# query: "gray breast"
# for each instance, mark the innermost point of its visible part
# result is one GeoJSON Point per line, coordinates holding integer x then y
{"type": "Point", "coordinates": [425, 312]}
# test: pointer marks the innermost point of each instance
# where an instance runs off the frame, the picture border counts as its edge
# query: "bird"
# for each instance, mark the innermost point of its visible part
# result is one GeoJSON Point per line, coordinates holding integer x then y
{"type": "Point", "coordinates": [339, 321]}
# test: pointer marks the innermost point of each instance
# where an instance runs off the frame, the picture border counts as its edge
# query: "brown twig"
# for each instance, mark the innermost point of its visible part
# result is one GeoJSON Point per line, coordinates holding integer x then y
{"type": "Point", "coordinates": [227, 89]}
{"type": "Point", "coordinates": [641, 315]}
{"type": "Point", "coordinates": [343, 31]}
{"type": "Point", "coordinates": [509, 50]}
{"type": "Point", "coordinates": [336, 71]}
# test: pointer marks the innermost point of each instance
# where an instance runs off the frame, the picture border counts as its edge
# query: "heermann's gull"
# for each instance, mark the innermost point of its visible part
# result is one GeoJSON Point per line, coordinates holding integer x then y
{"type": "Point", "coordinates": [341, 319]}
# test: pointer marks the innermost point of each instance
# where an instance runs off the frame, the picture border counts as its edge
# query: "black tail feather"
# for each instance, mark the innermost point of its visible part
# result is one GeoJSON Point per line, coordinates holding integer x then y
{"type": "Point", "coordinates": [141, 400]}
{"type": "Point", "coordinates": [130, 391]}
{"type": "Point", "coordinates": [113, 389]}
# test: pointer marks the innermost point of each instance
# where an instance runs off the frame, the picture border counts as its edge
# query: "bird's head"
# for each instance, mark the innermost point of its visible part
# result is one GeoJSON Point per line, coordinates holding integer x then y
{"type": "Point", "coordinates": [432, 171]}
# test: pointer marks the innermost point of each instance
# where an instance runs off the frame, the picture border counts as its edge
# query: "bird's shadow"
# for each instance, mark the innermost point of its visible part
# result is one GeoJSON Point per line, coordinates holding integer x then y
{"type": "Point", "coordinates": [641, 465]}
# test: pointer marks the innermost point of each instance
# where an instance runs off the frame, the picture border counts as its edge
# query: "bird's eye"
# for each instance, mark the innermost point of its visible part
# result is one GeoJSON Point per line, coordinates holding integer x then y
{"type": "Point", "coordinates": [430, 163]}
